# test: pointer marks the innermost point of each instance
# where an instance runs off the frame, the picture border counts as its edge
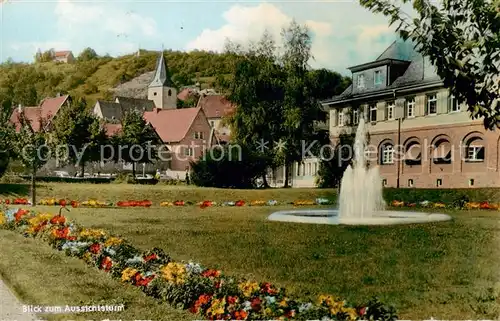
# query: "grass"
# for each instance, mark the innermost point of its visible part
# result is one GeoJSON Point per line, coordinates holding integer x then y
{"type": "Point", "coordinates": [444, 270]}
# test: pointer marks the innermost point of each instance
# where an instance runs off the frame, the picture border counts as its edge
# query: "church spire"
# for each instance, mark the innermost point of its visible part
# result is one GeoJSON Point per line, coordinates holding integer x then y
{"type": "Point", "coordinates": [161, 77]}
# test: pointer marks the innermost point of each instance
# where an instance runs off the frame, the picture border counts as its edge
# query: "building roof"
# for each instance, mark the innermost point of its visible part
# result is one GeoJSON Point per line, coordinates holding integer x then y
{"type": "Point", "coordinates": [186, 93]}
{"type": "Point", "coordinates": [47, 110]}
{"type": "Point", "coordinates": [161, 77]}
{"type": "Point", "coordinates": [419, 70]}
{"type": "Point", "coordinates": [50, 106]}
{"type": "Point", "coordinates": [33, 114]}
{"type": "Point", "coordinates": [172, 125]}
{"type": "Point", "coordinates": [110, 109]}
{"type": "Point", "coordinates": [63, 53]}
{"type": "Point", "coordinates": [112, 129]}
{"type": "Point", "coordinates": [137, 104]}
{"type": "Point", "coordinates": [215, 106]}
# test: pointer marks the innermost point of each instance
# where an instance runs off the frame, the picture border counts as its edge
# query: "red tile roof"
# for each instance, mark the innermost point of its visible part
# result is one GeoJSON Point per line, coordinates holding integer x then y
{"type": "Point", "coordinates": [216, 106]}
{"type": "Point", "coordinates": [112, 129]}
{"type": "Point", "coordinates": [63, 53]}
{"type": "Point", "coordinates": [50, 106]}
{"type": "Point", "coordinates": [33, 114]}
{"type": "Point", "coordinates": [47, 109]}
{"type": "Point", "coordinates": [185, 94]}
{"type": "Point", "coordinates": [172, 125]}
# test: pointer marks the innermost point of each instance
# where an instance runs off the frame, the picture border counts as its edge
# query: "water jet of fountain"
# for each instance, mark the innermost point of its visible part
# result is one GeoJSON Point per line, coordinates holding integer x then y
{"type": "Point", "coordinates": [361, 188]}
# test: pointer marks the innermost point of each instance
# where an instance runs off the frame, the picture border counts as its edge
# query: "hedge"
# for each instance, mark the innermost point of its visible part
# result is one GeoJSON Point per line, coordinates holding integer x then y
{"type": "Point", "coordinates": [447, 196]}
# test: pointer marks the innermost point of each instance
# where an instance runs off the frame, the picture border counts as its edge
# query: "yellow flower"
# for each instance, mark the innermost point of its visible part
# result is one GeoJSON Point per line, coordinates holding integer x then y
{"type": "Point", "coordinates": [166, 204]}
{"type": "Point", "coordinates": [217, 306]}
{"type": "Point", "coordinates": [174, 273]}
{"type": "Point", "coordinates": [127, 274]}
{"type": "Point", "coordinates": [283, 303]}
{"type": "Point", "coordinates": [113, 241]}
{"type": "Point", "coordinates": [257, 203]}
{"type": "Point", "coordinates": [87, 257]}
{"type": "Point", "coordinates": [92, 233]}
{"type": "Point", "coordinates": [40, 218]}
{"type": "Point", "coordinates": [351, 312]}
{"type": "Point", "coordinates": [3, 220]}
{"type": "Point", "coordinates": [248, 288]}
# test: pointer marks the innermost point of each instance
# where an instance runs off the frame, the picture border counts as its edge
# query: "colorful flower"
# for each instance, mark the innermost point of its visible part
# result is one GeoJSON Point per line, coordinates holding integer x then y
{"type": "Point", "coordinates": [174, 273]}
{"type": "Point", "coordinates": [113, 241]}
{"type": "Point", "coordinates": [106, 263]}
{"type": "Point", "coordinates": [248, 288]}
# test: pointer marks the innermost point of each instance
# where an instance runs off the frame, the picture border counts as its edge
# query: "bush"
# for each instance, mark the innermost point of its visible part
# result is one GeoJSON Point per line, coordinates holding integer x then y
{"type": "Point", "coordinates": [52, 179]}
{"type": "Point", "coordinates": [226, 167]}
{"type": "Point", "coordinates": [4, 163]}
{"type": "Point", "coordinates": [454, 196]}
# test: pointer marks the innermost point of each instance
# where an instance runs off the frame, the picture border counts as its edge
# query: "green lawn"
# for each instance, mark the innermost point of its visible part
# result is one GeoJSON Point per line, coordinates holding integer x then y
{"type": "Point", "coordinates": [443, 270]}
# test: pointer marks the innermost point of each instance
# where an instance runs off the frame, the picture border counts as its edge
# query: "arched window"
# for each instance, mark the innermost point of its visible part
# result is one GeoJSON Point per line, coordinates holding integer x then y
{"type": "Point", "coordinates": [474, 150]}
{"type": "Point", "coordinates": [413, 153]}
{"type": "Point", "coordinates": [387, 154]}
{"type": "Point", "coordinates": [442, 152]}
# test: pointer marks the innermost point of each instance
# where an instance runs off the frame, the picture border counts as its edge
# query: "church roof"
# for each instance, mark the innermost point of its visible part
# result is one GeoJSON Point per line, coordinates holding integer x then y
{"type": "Point", "coordinates": [161, 77]}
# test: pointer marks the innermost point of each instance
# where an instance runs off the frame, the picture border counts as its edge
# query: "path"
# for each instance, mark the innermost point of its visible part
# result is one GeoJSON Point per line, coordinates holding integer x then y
{"type": "Point", "coordinates": [11, 309]}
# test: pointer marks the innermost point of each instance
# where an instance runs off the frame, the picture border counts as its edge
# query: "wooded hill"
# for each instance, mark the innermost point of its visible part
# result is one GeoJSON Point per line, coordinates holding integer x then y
{"type": "Point", "coordinates": [94, 77]}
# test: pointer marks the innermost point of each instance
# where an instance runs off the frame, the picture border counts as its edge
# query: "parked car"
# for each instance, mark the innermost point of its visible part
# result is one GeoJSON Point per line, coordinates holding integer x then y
{"type": "Point", "coordinates": [61, 174]}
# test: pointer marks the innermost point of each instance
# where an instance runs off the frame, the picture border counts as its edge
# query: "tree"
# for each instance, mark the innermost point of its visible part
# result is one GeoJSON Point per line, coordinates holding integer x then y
{"type": "Point", "coordinates": [80, 132]}
{"type": "Point", "coordinates": [31, 148]}
{"type": "Point", "coordinates": [334, 162]}
{"type": "Point", "coordinates": [461, 38]}
{"type": "Point", "coordinates": [228, 167]}
{"type": "Point", "coordinates": [137, 140]}
{"type": "Point", "coordinates": [7, 134]}
{"type": "Point", "coordinates": [87, 54]}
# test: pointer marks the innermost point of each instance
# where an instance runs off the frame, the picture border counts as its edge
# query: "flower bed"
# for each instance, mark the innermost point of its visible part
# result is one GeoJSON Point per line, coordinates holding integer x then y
{"type": "Point", "coordinates": [206, 292]}
{"type": "Point", "coordinates": [464, 206]}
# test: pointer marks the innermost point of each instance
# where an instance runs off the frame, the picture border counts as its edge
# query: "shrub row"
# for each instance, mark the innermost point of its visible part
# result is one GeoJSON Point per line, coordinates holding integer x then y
{"type": "Point", "coordinates": [447, 196]}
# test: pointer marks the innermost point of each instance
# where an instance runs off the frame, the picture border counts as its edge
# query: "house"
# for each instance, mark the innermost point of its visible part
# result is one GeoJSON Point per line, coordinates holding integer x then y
{"type": "Point", "coordinates": [64, 56]}
{"type": "Point", "coordinates": [186, 133]}
{"type": "Point", "coordinates": [216, 107]}
{"type": "Point", "coordinates": [46, 111]}
{"type": "Point", "coordinates": [113, 112]}
{"type": "Point", "coordinates": [420, 135]}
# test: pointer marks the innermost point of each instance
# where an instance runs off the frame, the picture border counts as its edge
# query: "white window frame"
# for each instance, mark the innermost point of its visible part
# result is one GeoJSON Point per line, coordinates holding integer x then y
{"type": "Point", "coordinates": [453, 101]}
{"type": "Point", "coordinates": [439, 182]}
{"type": "Point", "coordinates": [373, 108]}
{"type": "Point", "coordinates": [355, 116]}
{"type": "Point", "coordinates": [388, 154]}
{"type": "Point", "coordinates": [341, 119]}
{"type": "Point", "coordinates": [361, 81]}
{"type": "Point", "coordinates": [432, 98]}
{"type": "Point", "coordinates": [391, 108]}
{"type": "Point", "coordinates": [410, 182]}
{"type": "Point", "coordinates": [472, 154]}
{"type": "Point", "coordinates": [410, 105]}
{"type": "Point", "coordinates": [377, 80]}
{"type": "Point", "coordinates": [189, 151]}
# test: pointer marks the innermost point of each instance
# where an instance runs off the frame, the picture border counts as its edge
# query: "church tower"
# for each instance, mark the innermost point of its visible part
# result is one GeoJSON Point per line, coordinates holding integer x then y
{"type": "Point", "coordinates": [161, 90]}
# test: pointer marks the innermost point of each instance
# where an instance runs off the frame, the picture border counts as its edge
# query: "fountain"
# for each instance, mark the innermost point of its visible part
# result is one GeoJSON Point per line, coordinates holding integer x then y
{"type": "Point", "coordinates": [360, 200]}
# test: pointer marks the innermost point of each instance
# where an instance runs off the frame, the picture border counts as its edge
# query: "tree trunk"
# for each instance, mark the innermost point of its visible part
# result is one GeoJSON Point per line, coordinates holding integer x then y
{"type": "Point", "coordinates": [133, 170]}
{"type": "Point", "coordinates": [33, 186]}
{"type": "Point", "coordinates": [83, 169]}
{"type": "Point", "coordinates": [287, 174]}
{"type": "Point", "coordinates": [265, 184]}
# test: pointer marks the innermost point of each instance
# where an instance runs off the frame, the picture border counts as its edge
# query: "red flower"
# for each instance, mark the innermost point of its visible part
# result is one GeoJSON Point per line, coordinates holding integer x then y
{"type": "Point", "coordinates": [484, 206]}
{"type": "Point", "coordinates": [240, 315]}
{"type": "Point", "coordinates": [150, 257]}
{"type": "Point", "coordinates": [142, 281]}
{"type": "Point", "coordinates": [210, 273]}
{"type": "Point", "coordinates": [362, 311]}
{"type": "Point", "coordinates": [74, 204]}
{"type": "Point", "coordinates": [40, 226]}
{"type": "Point", "coordinates": [7, 202]}
{"type": "Point", "coordinates": [179, 203]}
{"type": "Point", "coordinates": [256, 304]}
{"type": "Point", "coordinates": [268, 288]}
{"type": "Point", "coordinates": [206, 204]}
{"type": "Point", "coordinates": [19, 214]}
{"type": "Point", "coordinates": [202, 300]}
{"type": "Point", "coordinates": [106, 264]}
{"type": "Point", "coordinates": [290, 314]}
{"type": "Point", "coordinates": [240, 203]}
{"type": "Point", "coordinates": [61, 233]}
{"type": "Point", "coordinates": [95, 248]}
{"type": "Point", "coordinates": [58, 219]}
{"type": "Point", "coordinates": [231, 299]}
{"type": "Point", "coordinates": [62, 202]}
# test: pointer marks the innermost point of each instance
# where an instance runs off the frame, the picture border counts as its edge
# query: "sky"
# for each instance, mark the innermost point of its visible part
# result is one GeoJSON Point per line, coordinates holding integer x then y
{"type": "Point", "coordinates": [343, 33]}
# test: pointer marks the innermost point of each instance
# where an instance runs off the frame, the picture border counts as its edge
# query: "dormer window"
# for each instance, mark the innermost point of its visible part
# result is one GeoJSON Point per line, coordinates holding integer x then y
{"type": "Point", "coordinates": [361, 81]}
{"type": "Point", "coordinates": [377, 77]}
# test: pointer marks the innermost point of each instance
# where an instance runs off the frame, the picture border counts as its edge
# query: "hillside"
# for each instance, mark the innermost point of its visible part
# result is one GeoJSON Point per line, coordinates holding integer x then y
{"type": "Point", "coordinates": [96, 78]}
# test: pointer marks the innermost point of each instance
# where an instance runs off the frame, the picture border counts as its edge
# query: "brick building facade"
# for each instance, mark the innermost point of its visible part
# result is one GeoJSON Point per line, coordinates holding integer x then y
{"type": "Point", "coordinates": [419, 135]}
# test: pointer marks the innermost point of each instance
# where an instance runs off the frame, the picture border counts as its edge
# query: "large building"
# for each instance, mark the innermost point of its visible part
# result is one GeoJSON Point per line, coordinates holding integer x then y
{"type": "Point", "coordinates": [419, 135]}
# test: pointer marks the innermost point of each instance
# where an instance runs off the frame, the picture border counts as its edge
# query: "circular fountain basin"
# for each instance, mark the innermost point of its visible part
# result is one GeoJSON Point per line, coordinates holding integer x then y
{"type": "Point", "coordinates": [378, 218]}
